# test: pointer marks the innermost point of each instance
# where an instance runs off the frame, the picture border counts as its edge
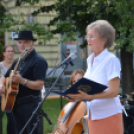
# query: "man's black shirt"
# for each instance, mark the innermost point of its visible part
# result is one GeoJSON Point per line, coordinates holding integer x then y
{"type": "Point", "coordinates": [33, 67]}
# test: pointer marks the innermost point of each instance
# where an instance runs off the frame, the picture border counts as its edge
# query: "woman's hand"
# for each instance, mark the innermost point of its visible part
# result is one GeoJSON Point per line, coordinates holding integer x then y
{"type": "Point", "coordinates": [79, 97]}
{"type": "Point", "coordinates": [70, 99]}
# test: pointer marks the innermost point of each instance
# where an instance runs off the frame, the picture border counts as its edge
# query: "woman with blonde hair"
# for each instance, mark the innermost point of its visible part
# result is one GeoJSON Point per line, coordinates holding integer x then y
{"type": "Point", "coordinates": [75, 76]}
{"type": "Point", "coordinates": [104, 109]}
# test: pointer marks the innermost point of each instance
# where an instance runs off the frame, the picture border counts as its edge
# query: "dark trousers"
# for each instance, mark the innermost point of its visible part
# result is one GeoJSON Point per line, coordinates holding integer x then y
{"type": "Point", "coordinates": [10, 124]}
{"type": "Point", "coordinates": [22, 112]}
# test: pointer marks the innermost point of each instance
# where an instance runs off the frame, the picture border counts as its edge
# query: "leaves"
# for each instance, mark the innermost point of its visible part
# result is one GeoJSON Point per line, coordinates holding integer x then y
{"type": "Point", "coordinates": [73, 18]}
{"type": "Point", "coordinates": [22, 2]}
{"type": "Point", "coordinates": [16, 23]}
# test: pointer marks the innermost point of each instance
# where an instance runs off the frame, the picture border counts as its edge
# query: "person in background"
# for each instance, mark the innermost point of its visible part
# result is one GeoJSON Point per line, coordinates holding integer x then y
{"type": "Point", "coordinates": [30, 77]}
{"type": "Point", "coordinates": [75, 76]}
{"type": "Point", "coordinates": [8, 53]}
{"type": "Point", "coordinates": [104, 109]}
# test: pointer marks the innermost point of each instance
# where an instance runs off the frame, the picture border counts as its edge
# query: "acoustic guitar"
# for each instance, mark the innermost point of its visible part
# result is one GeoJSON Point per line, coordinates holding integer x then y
{"type": "Point", "coordinates": [8, 99]}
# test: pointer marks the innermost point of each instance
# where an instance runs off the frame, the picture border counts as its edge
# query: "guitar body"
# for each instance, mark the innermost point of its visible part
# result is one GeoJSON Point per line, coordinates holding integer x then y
{"type": "Point", "coordinates": [8, 99]}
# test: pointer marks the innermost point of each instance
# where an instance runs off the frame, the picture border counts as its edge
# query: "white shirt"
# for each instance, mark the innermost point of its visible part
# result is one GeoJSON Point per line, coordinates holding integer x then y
{"type": "Point", "coordinates": [105, 67]}
{"type": "Point", "coordinates": [3, 69]}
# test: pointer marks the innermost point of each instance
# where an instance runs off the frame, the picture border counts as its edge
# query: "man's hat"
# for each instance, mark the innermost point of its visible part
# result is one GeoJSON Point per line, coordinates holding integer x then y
{"type": "Point", "coordinates": [27, 35]}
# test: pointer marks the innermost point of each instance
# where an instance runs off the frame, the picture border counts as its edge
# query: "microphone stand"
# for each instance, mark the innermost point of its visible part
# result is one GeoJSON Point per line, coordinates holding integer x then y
{"type": "Point", "coordinates": [39, 111]}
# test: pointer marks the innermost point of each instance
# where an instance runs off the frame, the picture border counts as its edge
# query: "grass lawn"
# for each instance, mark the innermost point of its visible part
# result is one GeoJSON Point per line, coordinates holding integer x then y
{"type": "Point", "coordinates": [52, 108]}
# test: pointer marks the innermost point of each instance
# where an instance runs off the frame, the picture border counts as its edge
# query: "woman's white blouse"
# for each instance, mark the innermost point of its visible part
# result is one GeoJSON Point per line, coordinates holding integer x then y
{"type": "Point", "coordinates": [105, 67]}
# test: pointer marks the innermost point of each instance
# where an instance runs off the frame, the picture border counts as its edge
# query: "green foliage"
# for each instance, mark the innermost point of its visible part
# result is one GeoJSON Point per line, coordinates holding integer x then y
{"type": "Point", "coordinates": [11, 23]}
{"type": "Point", "coordinates": [125, 11]}
{"type": "Point", "coordinates": [73, 17]}
{"type": "Point", "coordinates": [21, 2]}
{"type": "Point", "coordinates": [1, 48]}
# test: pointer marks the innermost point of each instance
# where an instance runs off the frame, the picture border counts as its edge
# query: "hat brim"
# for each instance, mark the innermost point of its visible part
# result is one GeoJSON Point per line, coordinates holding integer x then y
{"type": "Point", "coordinates": [24, 39]}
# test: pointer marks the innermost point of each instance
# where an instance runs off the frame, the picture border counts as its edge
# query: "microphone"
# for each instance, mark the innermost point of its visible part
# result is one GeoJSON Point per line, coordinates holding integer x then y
{"type": "Point", "coordinates": [71, 63]}
{"type": "Point", "coordinates": [68, 59]}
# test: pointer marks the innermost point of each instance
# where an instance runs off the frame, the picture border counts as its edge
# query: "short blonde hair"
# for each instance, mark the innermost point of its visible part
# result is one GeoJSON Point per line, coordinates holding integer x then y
{"type": "Point", "coordinates": [79, 71]}
{"type": "Point", "coordinates": [105, 30]}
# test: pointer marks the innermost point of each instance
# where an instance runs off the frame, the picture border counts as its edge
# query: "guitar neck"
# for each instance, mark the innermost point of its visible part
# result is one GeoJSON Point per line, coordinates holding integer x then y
{"type": "Point", "coordinates": [22, 56]}
{"type": "Point", "coordinates": [16, 65]}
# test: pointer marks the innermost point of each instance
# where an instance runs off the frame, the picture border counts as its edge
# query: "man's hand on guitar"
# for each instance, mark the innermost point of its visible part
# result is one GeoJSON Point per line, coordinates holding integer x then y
{"type": "Point", "coordinates": [17, 78]}
{"type": "Point", "coordinates": [2, 89]}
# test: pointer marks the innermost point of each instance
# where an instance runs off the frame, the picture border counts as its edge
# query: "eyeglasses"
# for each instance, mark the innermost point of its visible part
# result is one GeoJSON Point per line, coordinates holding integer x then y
{"type": "Point", "coordinates": [9, 51]}
{"type": "Point", "coordinates": [91, 37]}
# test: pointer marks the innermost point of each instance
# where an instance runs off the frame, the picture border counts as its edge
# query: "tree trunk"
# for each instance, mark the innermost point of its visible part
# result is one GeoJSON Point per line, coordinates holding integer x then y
{"type": "Point", "coordinates": [2, 42]}
{"type": "Point", "coordinates": [127, 71]}
{"type": "Point", "coordinates": [1, 58]}
{"type": "Point", "coordinates": [2, 11]}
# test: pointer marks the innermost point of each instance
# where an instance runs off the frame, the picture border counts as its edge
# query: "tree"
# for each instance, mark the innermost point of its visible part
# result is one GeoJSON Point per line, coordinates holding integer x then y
{"type": "Point", "coordinates": [2, 15]}
{"type": "Point", "coordinates": [74, 15]}
{"type": "Point", "coordinates": [10, 23]}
